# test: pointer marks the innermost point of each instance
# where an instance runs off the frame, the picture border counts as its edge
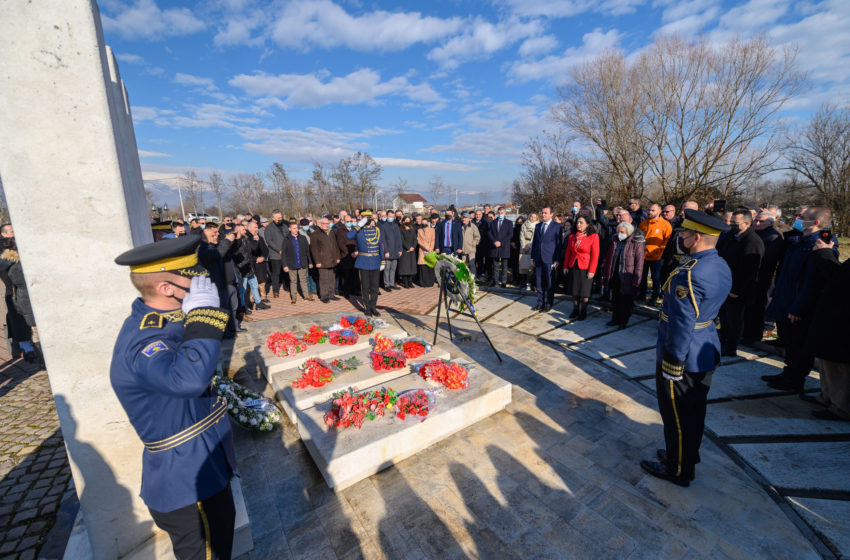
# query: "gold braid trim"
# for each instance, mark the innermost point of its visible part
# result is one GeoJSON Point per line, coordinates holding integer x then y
{"type": "Point", "coordinates": [213, 317]}
{"type": "Point", "coordinates": [672, 369]}
{"type": "Point", "coordinates": [192, 431]}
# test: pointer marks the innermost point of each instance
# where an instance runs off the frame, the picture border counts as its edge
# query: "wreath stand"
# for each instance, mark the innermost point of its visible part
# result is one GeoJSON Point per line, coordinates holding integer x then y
{"type": "Point", "coordinates": [444, 298]}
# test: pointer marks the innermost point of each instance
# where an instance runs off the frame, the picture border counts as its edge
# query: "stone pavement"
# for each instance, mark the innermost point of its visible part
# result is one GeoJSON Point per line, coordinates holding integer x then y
{"type": "Point", "coordinates": [34, 470]}
{"type": "Point", "coordinates": [556, 474]}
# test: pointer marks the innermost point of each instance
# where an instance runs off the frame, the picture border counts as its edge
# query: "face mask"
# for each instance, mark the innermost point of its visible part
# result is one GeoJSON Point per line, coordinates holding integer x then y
{"type": "Point", "coordinates": [390, 219]}
{"type": "Point", "coordinates": [799, 225]}
{"type": "Point", "coordinates": [622, 236]}
{"type": "Point", "coordinates": [278, 222]}
{"type": "Point", "coordinates": [735, 230]}
{"type": "Point", "coordinates": [501, 217]}
{"type": "Point", "coordinates": [685, 246]}
{"type": "Point", "coordinates": [349, 224]}
{"type": "Point", "coordinates": [305, 228]}
{"type": "Point", "coordinates": [575, 208]}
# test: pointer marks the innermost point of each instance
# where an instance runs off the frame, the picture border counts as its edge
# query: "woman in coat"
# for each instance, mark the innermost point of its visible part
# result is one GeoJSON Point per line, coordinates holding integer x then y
{"type": "Point", "coordinates": [407, 261]}
{"type": "Point", "coordinates": [526, 236]}
{"type": "Point", "coordinates": [425, 238]}
{"type": "Point", "coordinates": [621, 271]}
{"type": "Point", "coordinates": [580, 262]}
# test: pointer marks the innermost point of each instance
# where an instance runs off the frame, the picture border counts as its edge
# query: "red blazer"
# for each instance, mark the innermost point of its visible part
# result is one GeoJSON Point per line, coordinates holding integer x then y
{"type": "Point", "coordinates": [587, 253]}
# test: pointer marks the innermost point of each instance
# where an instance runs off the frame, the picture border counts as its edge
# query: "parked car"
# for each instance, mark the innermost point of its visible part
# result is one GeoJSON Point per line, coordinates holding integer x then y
{"type": "Point", "coordinates": [208, 217]}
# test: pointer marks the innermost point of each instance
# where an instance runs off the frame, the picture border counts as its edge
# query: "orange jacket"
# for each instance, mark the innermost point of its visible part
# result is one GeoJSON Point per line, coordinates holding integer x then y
{"type": "Point", "coordinates": [657, 232]}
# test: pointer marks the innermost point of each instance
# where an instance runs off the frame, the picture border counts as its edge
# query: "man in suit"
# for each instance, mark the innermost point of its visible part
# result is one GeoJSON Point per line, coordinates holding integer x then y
{"type": "Point", "coordinates": [450, 235]}
{"type": "Point", "coordinates": [501, 232]}
{"type": "Point", "coordinates": [545, 250]}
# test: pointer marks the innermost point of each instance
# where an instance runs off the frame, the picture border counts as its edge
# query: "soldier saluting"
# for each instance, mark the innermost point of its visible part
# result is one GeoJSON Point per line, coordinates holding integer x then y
{"type": "Point", "coordinates": [688, 348]}
{"type": "Point", "coordinates": [162, 365]}
{"type": "Point", "coordinates": [368, 257]}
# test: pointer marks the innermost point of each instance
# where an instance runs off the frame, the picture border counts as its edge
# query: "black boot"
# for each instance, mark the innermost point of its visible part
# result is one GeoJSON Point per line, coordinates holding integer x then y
{"type": "Point", "coordinates": [582, 315]}
{"type": "Point", "coordinates": [575, 312]}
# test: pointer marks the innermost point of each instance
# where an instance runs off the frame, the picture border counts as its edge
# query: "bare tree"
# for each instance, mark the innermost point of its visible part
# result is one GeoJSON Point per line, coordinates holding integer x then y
{"type": "Point", "coordinates": [821, 155]}
{"type": "Point", "coordinates": [437, 188]}
{"type": "Point", "coordinates": [688, 118]}
{"type": "Point", "coordinates": [194, 190]}
{"type": "Point", "coordinates": [243, 193]}
{"type": "Point", "coordinates": [216, 183]}
{"type": "Point", "coordinates": [550, 174]}
{"type": "Point", "coordinates": [367, 173]}
{"type": "Point", "coordinates": [281, 186]}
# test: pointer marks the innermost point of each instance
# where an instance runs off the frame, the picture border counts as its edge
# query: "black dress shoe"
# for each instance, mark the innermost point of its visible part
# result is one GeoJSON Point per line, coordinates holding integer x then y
{"type": "Point", "coordinates": [611, 323]}
{"type": "Point", "coordinates": [827, 414]}
{"type": "Point", "coordinates": [264, 301]}
{"type": "Point", "coordinates": [537, 307]}
{"type": "Point", "coordinates": [659, 470]}
{"type": "Point", "coordinates": [730, 354]}
{"type": "Point", "coordinates": [262, 305]}
{"type": "Point", "coordinates": [662, 456]}
{"type": "Point", "coordinates": [784, 385]}
{"type": "Point", "coordinates": [769, 378]}
{"type": "Point", "coordinates": [546, 309]}
{"type": "Point", "coordinates": [241, 329]}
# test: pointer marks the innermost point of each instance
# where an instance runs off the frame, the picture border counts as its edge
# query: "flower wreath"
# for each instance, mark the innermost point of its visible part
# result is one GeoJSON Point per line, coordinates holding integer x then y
{"type": "Point", "coordinates": [247, 408]}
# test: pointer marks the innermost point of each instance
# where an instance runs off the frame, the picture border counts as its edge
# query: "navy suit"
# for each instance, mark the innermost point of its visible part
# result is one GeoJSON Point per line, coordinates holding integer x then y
{"type": "Point", "coordinates": [455, 236]}
{"type": "Point", "coordinates": [501, 231]}
{"type": "Point", "coordinates": [545, 250]}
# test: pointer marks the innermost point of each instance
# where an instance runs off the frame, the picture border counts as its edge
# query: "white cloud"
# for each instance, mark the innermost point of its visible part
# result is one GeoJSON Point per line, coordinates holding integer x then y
{"type": "Point", "coordinates": [754, 13]}
{"type": "Point", "coordinates": [569, 8]}
{"type": "Point", "coordinates": [312, 144]}
{"type": "Point", "coordinates": [404, 163]}
{"type": "Point", "coordinates": [145, 153]}
{"type": "Point", "coordinates": [538, 45]}
{"type": "Point", "coordinates": [323, 24]}
{"type": "Point", "coordinates": [555, 68]}
{"type": "Point", "coordinates": [496, 130]}
{"type": "Point", "coordinates": [686, 17]}
{"type": "Point", "coordinates": [240, 28]}
{"type": "Point", "coordinates": [145, 20]}
{"type": "Point", "coordinates": [208, 115]}
{"type": "Point", "coordinates": [482, 39]}
{"type": "Point", "coordinates": [136, 60]}
{"type": "Point", "coordinates": [197, 81]}
{"type": "Point", "coordinates": [315, 90]}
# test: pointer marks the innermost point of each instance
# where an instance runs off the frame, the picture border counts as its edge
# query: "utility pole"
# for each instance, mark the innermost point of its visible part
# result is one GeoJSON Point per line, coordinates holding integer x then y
{"type": "Point", "coordinates": [455, 198]}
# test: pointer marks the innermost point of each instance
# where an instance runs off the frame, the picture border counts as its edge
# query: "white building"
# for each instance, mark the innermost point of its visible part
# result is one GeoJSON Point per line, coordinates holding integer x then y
{"type": "Point", "coordinates": [409, 202]}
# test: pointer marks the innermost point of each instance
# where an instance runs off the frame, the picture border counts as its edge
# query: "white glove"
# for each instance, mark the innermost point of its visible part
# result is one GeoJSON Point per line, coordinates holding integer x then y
{"type": "Point", "coordinates": [202, 293]}
{"type": "Point", "coordinates": [362, 222]}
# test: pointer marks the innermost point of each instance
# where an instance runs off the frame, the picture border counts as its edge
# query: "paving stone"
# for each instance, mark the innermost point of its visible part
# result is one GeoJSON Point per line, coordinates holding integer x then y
{"type": "Point", "coordinates": [636, 364]}
{"type": "Point", "coordinates": [514, 313]}
{"type": "Point", "coordinates": [809, 465]}
{"type": "Point", "coordinates": [488, 305]}
{"type": "Point", "coordinates": [541, 322]}
{"type": "Point", "coordinates": [781, 415]}
{"type": "Point", "coordinates": [577, 331]}
{"type": "Point", "coordinates": [829, 518]}
{"type": "Point", "coordinates": [640, 335]}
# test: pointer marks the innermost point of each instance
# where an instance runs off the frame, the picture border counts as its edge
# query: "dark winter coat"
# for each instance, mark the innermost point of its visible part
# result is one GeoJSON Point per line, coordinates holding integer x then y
{"type": "Point", "coordinates": [743, 254]}
{"type": "Point", "coordinates": [773, 243]}
{"type": "Point", "coordinates": [391, 236]}
{"type": "Point", "coordinates": [346, 248]}
{"type": "Point", "coordinates": [14, 272]}
{"type": "Point", "coordinates": [274, 240]}
{"type": "Point", "coordinates": [631, 262]}
{"type": "Point", "coordinates": [289, 252]}
{"type": "Point", "coordinates": [324, 249]}
{"type": "Point", "coordinates": [503, 234]}
{"type": "Point", "coordinates": [407, 262]}
{"type": "Point", "coordinates": [795, 287]}
{"type": "Point", "coordinates": [830, 330]}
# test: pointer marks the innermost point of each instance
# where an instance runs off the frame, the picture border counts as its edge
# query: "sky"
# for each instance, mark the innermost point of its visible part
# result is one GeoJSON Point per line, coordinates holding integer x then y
{"type": "Point", "coordinates": [445, 88]}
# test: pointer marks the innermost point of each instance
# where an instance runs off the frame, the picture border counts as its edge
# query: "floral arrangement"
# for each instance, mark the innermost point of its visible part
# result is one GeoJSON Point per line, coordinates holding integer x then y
{"type": "Point", "coordinates": [315, 335]}
{"type": "Point", "coordinates": [413, 350]}
{"type": "Point", "coordinates": [414, 404]}
{"type": "Point", "coordinates": [451, 374]}
{"type": "Point", "coordinates": [247, 408]}
{"type": "Point", "coordinates": [351, 408]}
{"type": "Point", "coordinates": [382, 343]}
{"type": "Point", "coordinates": [316, 372]}
{"type": "Point", "coordinates": [285, 344]}
{"type": "Point", "coordinates": [388, 360]}
{"type": "Point", "coordinates": [343, 337]}
{"type": "Point", "coordinates": [461, 282]}
{"type": "Point", "coordinates": [360, 325]}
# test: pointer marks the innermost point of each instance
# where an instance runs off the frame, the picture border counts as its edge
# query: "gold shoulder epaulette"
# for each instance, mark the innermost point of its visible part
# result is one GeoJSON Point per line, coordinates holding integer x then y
{"type": "Point", "coordinates": [155, 320]}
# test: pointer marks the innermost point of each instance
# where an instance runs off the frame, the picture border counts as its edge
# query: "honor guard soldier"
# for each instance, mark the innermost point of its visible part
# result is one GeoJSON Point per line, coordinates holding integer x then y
{"type": "Point", "coordinates": [161, 370]}
{"type": "Point", "coordinates": [688, 348]}
{"type": "Point", "coordinates": [370, 253]}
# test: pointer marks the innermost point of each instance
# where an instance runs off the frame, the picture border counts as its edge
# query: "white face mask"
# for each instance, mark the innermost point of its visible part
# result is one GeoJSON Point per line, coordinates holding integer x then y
{"type": "Point", "coordinates": [622, 236]}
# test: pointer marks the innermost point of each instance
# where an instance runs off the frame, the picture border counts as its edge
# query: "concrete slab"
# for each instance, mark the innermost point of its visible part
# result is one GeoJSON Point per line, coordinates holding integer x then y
{"type": "Point", "coordinates": [345, 457]}
{"type": "Point", "coordinates": [514, 313]}
{"type": "Point", "coordinates": [488, 305]}
{"type": "Point", "coordinates": [830, 519]}
{"type": "Point", "coordinates": [271, 364]}
{"type": "Point", "coordinates": [809, 465]}
{"type": "Point", "coordinates": [635, 364]}
{"type": "Point", "coordinates": [578, 331]}
{"type": "Point", "coordinates": [743, 354]}
{"type": "Point", "coordinates": [781, 415]}
{"type": "Point", "coordinates": [541, 322]}
{"type": "Point", "coordinates": [364, 376]}
{"type": "Point", "coordinates": [639, 336]}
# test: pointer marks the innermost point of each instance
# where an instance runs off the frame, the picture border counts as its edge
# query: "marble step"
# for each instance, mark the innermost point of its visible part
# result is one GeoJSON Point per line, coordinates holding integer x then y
{"type": "Point", "coordinates": [347, 456]}
{"type": "Point", "coordinates": [271, 364]}
{"type": "Point", "coordinates": [292, 399]}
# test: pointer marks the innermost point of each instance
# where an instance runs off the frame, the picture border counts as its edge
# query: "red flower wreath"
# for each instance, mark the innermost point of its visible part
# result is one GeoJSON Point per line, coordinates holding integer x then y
{"type": "Point", "coordinates": [351, 409]}
{"type": "Point", "coordinates": [450, 374]}
{"type": "Point", "coordinates": [315, 335]}
{"type": "Point", "coordinates": [284, 344]}
{"type": "Point", "coordinates": [345, 337]}
{"type": "Point", "coordinates": [314, 373]}
{"type": "Point", "coordinates": [414, 404]}
{"type": "Point", "coordinates": [413, 350]}
{"type": "Point", "coordinates": [387, 361]}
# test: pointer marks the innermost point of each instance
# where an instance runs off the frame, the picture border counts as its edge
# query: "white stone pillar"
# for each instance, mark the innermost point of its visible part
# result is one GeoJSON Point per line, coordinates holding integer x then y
{"type": "Point", "coordinates": [70, 170]}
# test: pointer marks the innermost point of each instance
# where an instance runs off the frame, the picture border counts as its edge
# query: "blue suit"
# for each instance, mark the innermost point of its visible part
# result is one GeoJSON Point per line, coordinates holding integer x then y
{"type": "Point", "coordinates": [687, 352]}
{"type": "Point", "coordinates": [455, 236]}
{"type": "Point", "coordinates": [161, 373]}
{"type": "Point", "coordinates": [545, 250]}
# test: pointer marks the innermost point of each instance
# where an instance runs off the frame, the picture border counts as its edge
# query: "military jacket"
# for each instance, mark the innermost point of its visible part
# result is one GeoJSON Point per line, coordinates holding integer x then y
{"type": "Point", "coordinates": [693, 294]}
{"type": "Point", "coordinates": [161, 370]}
{"type": "Point", "coordinates": [370, 247]}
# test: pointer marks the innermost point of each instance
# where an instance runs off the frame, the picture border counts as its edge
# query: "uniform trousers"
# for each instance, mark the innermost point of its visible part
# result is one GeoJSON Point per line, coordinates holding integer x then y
{"type": "Point", "coordinates": [682, 406]}
{"type": "Point", "coordinates": [326, 283]}
{"type": "Point", "coordinates": [201, 530]}
{"type": "Point", "coordinates": [369, 281]}
{"type": "Point", "coordinates": [275, 270]}
{"type": "Point", "coordinates": [348, 282]}
{"type": "Point", "coordinates": [798, 359]}
{"type": "Point", "coordinates": [500, 271]}
{"type": "Point", "coordinates": [835, 387]}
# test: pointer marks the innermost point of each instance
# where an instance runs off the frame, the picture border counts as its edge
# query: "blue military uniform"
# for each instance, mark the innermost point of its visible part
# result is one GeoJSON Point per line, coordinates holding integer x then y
{"type": "Point", "coordinates": [688, 351]}
{"type": "Point", "coordinates": [162, 366]}
{"type": "Point", "coordinates": [370, 253]}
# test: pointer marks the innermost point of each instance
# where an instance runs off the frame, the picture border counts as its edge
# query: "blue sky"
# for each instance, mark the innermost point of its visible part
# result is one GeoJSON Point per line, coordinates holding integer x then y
{"type": "Point", "coordinates": [444, 88]}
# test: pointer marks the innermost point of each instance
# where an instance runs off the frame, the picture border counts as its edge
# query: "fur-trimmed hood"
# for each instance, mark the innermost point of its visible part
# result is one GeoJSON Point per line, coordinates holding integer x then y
{"type": "Point", "coordinates": [10, 255]}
